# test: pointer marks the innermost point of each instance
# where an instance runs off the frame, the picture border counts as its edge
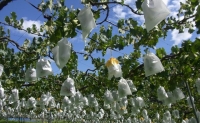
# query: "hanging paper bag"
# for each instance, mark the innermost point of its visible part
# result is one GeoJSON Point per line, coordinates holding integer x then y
{"type": "Point", "coordinates": [43, 68]}
{"type": "Point", "coordinates": [108, 98]}
{"type": "Point", "coordinates": [123, 101]}
{"type": "Point", "coordinates": [1, 92]}
{"type": "Point", "coordinates": [66, 102]}
{"type": "Point", "coordinates": [167, 117]}
{"type": "Point", "coordinates": [131, 85]}
{"type": "Point", "coordinates": [15, 95]}
{"type": "Point", "coordinates": [152, 64]}
{"type": "Point", "coordinates": [68, 88]}
{"type": "Point", "coordinates": [123, 88]}
{"type": "Point", "coordinates": [52, 103]}
{"type": "Point", "coordinates": [55, 52]}
{"type": "Point", "coordinates": [114, 68]}
{"type": "Point", "coordinates": [178, 94]}
{"type": "Point", "coordinates": [30, 75]}
{"type": "Point", "coordinates": [115, 95]}
{"type": "Point", "coordinates": [121, 109]}
{"type": "Point", "coordinates": [1, 69]}
{"type": "Point", "coordinates": [170, 99]}
{"type": "Point", "coordinates": [198, 85]}
{"type": "Point", "coordinates": [139, 102]}
{"type": "Point", "coordinates": [154, 12]}
{"type": "Point", "coordinates": [72, 99]}
{"type": "Point", "coordinates": [23, 103]}
{"type": "Point", "coordinates": [175, 113]}
{"type": "Point", "coordinates": [43, 99]}
{"type": "Point", "coordinates": [78, 98]}
{"type": "Point", "coordinates": [162, 95]}
{"type": "Point", "coordinates": [92, 100]}
{"type": "Point", "coordinates": [85, 16]}
{"type": "Point", "coordinates": [113, 106]}
{"type": "Point", "coordinates": [64, 51]}
{"type": "Point", "coordinates": [144, 114]}
{"type": "Point", "coordinates": [85, 101]}
{"type": "Point", "coordinates": [189, 101]}
{"type": "Point", "coordinates": [31, 103]}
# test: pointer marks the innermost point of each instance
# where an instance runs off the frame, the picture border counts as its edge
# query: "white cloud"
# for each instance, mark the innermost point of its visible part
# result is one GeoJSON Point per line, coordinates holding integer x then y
{"type": "Point", "coordinates": [179, 37]}
{"type": "Point", "coordinates": [126, 1]}
{"type": "Point", "coordinates": [174, 6]}
{"type": "Point", "coordinates": [76, 39]}
{"type": "Point", "coordinates": [129, 2]}
{"type": "Point", "coordinates": [140, 17]}
{"type": "Point", "coordinates": [166, 2]}
{"type": "Point", "coordinates": [118, 10]}
{"type": "Point", "coordinates": [124, 12]}
{"type": "Point", "coordinates": [27, 23]}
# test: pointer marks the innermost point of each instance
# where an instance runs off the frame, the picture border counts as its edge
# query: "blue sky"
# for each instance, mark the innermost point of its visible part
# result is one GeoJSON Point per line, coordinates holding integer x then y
{"type": "Point", "coordinates": [33, 16]}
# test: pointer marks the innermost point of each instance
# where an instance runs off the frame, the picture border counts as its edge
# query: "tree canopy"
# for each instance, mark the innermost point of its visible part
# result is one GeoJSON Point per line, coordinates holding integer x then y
{"type": "Point", "coordinates": [181, 66]}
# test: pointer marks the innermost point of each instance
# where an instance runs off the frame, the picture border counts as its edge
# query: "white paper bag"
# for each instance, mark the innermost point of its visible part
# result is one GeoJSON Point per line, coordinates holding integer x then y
{"type": "Point", "coordinates": [1, 69]}
{"type": "Point", "coordinates": [152, 64]}
{"type": "Point", "coordinates": [189, 101]}
{"type": "Point", "coordinates": [139, 102]}
{"type": "Point", "coordinates": [167, 117]}
{"type": "Point", "coordinates": [178, 94]}
{"type": "Point", "coordinates": [162, 94]}
{"type": "Point", "coordinates": [123, 101]}
{"type": "Point", "coordinates": [123, 88]}
{"type": "Point", "coordinates": [114, 68]}
{"type": "Point", "coordinates": [171, 99]}
{"type": "Point", "coordinates": [30, 75]}
{"type": "Point", "coordinates": [52, 103]}
{"type": "Point", "coordinates": [23, 103]}
{"type": "Point", "coordinates": [85, 101]}
{"type": "Point", "coordinates": [62, 52]}
{"type": "Point", "coordinates": [198, 85]}
{"type": "Point", "coordinates": [131, 85]}
{"type": "Point", "coordinates": [85, 16]}
{"type": "Point", "coordinates": [92, 100]}
{"type": "Point", "coordinates": [113, 106]}
{"type": "Point", "coordinates": [108, 98]}
{"type": "Point", "coordinates": [31, 103]}
{"type": "Point", "coordinates": [175, 113]}
{"type": "Point", "coordinates": [1, 92]}
{"type": "Point", "coordinates": [66, 102]}
{"type": "Point", "coordinates": [1, 104]}
{"type": "Point", "coordinates": [154, 12]}
{"type": "Point", "coordinates": [115, 95]}
{"type": "Point", "coordinates": [55, 52]}
{"type": "Point", "coordinates": [68, 88]}
{"type": "Point", "coordinates": [78, 98]}
{"type": "Point", "coordinates": [121, 109]}
{"type": "Point", "coordinates": [145, 114]}
{"type": "Point", "coordinates": [43, 68]}
{"type": "Point", "coordinates": [15, 95]}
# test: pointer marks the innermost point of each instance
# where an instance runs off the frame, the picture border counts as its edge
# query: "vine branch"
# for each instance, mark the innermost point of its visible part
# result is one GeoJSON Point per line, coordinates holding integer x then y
{"type": "Point", "coordinates": [36, 34]}
{"type": "Point", "coordinates": [114, 2]}
{"type": "Point", "coordinates": [4, 3]}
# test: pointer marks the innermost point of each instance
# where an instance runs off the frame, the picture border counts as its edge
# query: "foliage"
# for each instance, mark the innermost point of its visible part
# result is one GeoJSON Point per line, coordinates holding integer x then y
{"type": "Point", "coordinates": [182, 64]}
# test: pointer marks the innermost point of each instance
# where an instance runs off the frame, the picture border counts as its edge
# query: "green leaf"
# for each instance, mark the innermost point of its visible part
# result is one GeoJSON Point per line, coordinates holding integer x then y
{"type": "Point", "coordinates": [14, 16]}
{"type": "Point", "coordinates": [26, 44]}
{"type": "Point", "coordinates": [160, 52]}
{"type": "Point", "coordinates": [50, 4]}
{"type": "Point", "coordinates": [85, 56]}
{"type": "Point", "coordinates": [7, 19]}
